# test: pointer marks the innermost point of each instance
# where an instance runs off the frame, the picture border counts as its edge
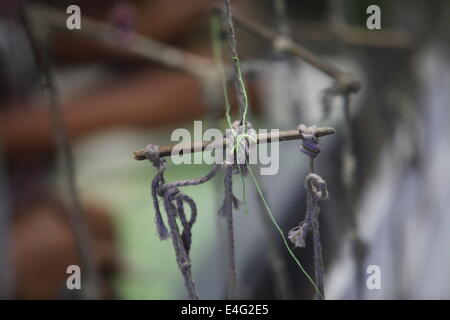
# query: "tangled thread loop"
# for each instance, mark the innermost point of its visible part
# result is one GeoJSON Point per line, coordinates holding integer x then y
{"type": "Point", "coordinates": [315, 185]}
{"type": "Point", "coordinates": [316, 189]}
{"type": "Point", "coordinates": [240, 139]}
{"type": "Point", "coordinates": [174, 201]}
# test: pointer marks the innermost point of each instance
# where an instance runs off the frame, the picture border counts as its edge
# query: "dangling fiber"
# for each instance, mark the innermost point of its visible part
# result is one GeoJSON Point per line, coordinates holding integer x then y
{"type": "Point", "coordinates": [238, 79]}
{"type": "Point", "coordinates": [237, 163]}
{"type": "Point", "coordinates": [173, 201]}
{"type": "Point", "coordinates": [316, 190]}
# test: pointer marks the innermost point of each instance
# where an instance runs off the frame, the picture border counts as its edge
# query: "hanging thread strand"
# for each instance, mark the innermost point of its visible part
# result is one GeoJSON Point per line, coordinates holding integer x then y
{"type": "Point", "coordinates": [173, 201]}
{"type": "Point", "coordinates": [316, 190]}
{"type": "Point", "coordinates": [238, 78]}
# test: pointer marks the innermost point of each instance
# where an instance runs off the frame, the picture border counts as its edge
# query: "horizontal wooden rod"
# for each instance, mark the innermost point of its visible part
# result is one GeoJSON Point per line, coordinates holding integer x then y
{"type": "Point", "coordinates": [165, 151]}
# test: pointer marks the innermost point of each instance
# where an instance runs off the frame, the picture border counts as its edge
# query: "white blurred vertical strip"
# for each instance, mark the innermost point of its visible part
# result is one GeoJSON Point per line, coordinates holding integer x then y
{"type": "Point", "coordinates": [404, 212]}
{"type": "Point", "coordinates": [432, 278]}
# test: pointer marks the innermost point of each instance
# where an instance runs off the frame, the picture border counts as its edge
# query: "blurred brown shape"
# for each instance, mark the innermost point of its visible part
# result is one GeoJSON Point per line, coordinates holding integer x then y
{"type": "Point", "coordinates": [147, 99]}
{"type": "Point", "coordinates": [161, 20]}
{"type": "Point", "coordinates": [44, 246]}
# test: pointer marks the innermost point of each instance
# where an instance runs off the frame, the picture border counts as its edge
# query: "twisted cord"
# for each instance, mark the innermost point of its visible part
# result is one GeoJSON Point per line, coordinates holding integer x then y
{"type": "Point", "coordinates": [174, 201]}
{"type": "Point", "coordinates": [239, 137]}
{"type": "Point", "coordinates": [186, 235]}
{"type": "Point", "coordinates": [152, 153]}
{"type": "Point", "coordinates": [181, 255]}
{"type": "Point", "coordinates": [227, 212]}
{"type": "Point", "coordinates": [316, 190]}
{"type": "Point", "coordinates": [318, 259]}
{"type": "Point", "coordinates": [238, 79]}
{"type": "Point", "coordinates": [191, 182]}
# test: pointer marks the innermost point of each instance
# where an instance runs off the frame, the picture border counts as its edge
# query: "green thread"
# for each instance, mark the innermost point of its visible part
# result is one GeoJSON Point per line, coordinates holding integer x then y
{"type": "Point", "coordinates": [218, 59]}
{"type": "Point", "coordinates": [272, 217]}
{"type": "Point", "coordinates": [244, 91]}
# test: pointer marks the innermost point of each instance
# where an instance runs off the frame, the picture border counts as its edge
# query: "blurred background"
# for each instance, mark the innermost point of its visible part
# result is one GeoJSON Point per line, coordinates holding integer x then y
{"type": "Point", "coordinates": [71, 193]}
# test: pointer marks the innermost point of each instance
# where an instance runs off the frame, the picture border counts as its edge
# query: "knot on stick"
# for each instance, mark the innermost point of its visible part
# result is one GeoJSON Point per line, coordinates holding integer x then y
{"type": "Point", "coordinates": [310, 140]}
{"type": "Point", "coordinates": [240, 139]}
{"type": "Point", "coordinates": [174, 201]}
{"type": "Point", "coordinates": [152, 153]}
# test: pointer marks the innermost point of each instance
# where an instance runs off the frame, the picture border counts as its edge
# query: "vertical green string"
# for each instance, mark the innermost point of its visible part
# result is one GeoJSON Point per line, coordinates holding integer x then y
{"type": "Point", "coordinates": [216, 29]}
{"type": "Point", "coordinates": [216, 32]}
{"type": "Point", "coordinates": [216, 40]}
{"type": "Point", "coordinates": [274, 221]}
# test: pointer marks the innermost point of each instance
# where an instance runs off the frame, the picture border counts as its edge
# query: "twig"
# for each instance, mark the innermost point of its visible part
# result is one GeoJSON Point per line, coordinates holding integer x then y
{"type": "Point", "coordinates": [351, 35]}
{"type": "Point", "coordinates": [283, 43]}
{"type": "Point", "coordinates": [288, 135]}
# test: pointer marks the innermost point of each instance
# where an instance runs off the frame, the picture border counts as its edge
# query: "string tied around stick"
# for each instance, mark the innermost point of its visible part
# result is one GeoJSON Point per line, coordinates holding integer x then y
{"type": "Point", "coordinates": [174, 201]}
{"type": "Point", "coordinates": [316, 190]}
{"type": "Point", "coordinates": [152, 153]}
{"type": "Point", "coordinates": [240, 139]}
{"type": "Point", "coordinates": [310, 140]}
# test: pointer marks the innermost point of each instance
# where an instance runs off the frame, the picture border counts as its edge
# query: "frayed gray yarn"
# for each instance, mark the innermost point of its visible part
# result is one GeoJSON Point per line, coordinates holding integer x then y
{"type": "Point", "coordinates": [240, 90]}
{"type": "Point", "coordinates": [237, 163]}
{"type": "Point", "coordinates": [173, 201]}
{"type": "Point", "coordinates": [227, 212]}
{"type": "Point", "coordinates": [158, 181]}
{"type": "Point", "coordinates": [318, 259]}
{"type": "Point", "coordinates": [316, 190]}
{"type": "Point", "coordinates": [310, 144]}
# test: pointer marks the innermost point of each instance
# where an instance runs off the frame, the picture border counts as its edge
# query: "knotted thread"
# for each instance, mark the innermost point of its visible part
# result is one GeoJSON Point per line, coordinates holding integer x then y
{"type": "Point", "coordinates": [316, 190]}
{"type": "Point", "coordinates": [173, 201]}
{"type": "Point", "coordinates": [310, 145]}
{"type": "Point", "coordinates": [152, 153]}
{"type": "Point", "coordinates": [239, 141]}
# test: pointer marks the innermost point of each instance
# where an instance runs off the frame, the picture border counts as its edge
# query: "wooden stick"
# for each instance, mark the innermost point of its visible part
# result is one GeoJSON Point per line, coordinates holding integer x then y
{"type": "Point", "coordinates": [345, 80]}
{"type": "Point", "coordinates": [165, 151]}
